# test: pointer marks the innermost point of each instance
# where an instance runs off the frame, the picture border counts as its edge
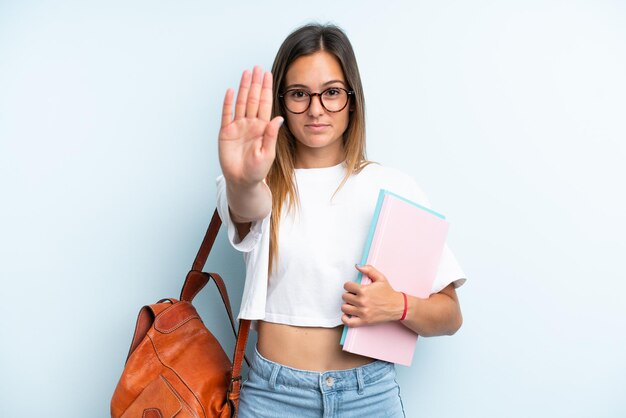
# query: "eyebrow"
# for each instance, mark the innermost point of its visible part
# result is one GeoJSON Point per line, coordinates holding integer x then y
{"type": "Point", "coordinates": [292, 86]}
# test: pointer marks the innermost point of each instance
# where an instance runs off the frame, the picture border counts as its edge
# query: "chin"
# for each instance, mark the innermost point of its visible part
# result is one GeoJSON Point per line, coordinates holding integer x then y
{"type": "Point", "coordinates": [317, 144]}
{"type": "Point", "coordinates": [318, 141]}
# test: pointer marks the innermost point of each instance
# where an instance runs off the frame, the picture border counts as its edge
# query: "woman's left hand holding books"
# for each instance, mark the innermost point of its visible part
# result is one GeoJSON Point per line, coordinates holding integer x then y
{"type": "Point", "coordinates": [372, 303]}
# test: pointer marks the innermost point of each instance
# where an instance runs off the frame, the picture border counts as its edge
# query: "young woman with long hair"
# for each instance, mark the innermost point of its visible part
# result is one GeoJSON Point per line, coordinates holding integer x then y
{"type": "Point", "coordinates": [297, 195]}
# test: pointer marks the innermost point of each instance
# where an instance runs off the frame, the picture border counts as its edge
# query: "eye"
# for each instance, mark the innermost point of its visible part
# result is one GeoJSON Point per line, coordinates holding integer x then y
{"type": "Point", "coordinates": [331, 92]}
{"type": "Point", "coordinates": [297, 94]}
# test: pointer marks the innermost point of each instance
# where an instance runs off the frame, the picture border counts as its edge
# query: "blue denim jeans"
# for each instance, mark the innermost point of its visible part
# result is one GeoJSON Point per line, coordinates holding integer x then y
{"type": "Point", "coordinates": [274, 390]}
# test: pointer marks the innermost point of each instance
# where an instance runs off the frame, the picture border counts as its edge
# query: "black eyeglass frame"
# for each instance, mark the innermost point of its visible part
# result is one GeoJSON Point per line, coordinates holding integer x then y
{"type": "Point", "coordinates": [310, 94]}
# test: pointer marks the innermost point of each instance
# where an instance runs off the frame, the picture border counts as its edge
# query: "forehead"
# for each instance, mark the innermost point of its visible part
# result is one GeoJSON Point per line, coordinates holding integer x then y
{"type": "Point", "coordinates": [314, 70]}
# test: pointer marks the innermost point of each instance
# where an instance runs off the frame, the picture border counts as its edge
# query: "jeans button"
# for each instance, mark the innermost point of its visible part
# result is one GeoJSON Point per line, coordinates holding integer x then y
{"type": "Point", "coordinates": [330, 381]}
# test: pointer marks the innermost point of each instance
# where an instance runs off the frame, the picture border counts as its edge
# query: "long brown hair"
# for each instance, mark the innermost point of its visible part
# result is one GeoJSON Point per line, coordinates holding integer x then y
{"type": "Point", "coordinates": [307, 40]}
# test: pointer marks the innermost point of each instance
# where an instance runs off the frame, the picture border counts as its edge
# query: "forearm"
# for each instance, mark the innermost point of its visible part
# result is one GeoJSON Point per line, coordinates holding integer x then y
{"type": "Point", "coordinates": [440, 314]}
{"type": "Point", "coordinates": [248, 203]}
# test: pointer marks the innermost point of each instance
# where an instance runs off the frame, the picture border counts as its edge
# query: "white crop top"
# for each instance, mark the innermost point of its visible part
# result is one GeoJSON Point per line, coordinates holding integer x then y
{"type": "Point", "coordinates": [319, 243]}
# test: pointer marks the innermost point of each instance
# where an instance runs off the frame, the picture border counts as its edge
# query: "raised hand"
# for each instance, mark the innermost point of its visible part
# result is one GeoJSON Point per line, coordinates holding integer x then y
{"type": "Point", "coordinates": [247, 142]}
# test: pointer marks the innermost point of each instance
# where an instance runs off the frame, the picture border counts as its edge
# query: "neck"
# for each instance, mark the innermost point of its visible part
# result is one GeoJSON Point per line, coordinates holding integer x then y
{"type": "Point", "coordinates": [318, 158]}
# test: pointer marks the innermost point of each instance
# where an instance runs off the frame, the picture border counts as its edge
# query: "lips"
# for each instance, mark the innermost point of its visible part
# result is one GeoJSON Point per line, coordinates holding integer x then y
{"type": "Point", "coordinates": [316, 127]}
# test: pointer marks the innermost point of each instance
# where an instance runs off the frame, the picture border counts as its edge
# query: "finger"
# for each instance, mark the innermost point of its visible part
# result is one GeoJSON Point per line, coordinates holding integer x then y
{"type": "Point", "coordinates": [227, 110]}
{"type": "Point", "coordinates": [351, 322]}
{"type": "Point", "coordinates": [271, 135]}
{"type": "Point", "coordinates": [350, 298]}
{"type": "Point", "coordinates": [352, 287]}
{"type": "Point", "coordinates": [265, 105]}
{"type": "Point", "coordinates": [254, 95]}
{"type": "Point", "coordinates": [370, 272]}
{"type": "Point", "coordinates": [242, 95]}
{"type": "Point", "coordinates": [349, 309]}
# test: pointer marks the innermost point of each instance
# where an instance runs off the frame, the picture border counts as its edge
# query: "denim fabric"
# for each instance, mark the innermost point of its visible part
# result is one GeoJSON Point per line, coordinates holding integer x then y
{"type": "Point", "coordinates": [274, 390]}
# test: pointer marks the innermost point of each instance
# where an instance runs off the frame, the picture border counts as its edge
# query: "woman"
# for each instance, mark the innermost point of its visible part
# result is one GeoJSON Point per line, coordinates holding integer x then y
{"type": "Point", "coordinates": [298, 198]}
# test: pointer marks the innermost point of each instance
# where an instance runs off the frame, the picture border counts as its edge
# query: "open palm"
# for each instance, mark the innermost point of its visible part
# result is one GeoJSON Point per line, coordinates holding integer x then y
{"type": "Point", "coordinates": [247, 141]}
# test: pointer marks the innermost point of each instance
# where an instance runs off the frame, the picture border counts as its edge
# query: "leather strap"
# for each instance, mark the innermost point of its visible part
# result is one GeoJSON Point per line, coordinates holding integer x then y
{"type": "Point", "coordinates": [217, 279]}
{"type": "Point", "coordinates": [240, 349]}
{"type": "Point", "coordinates": [207, 242]}
{"type": "Point", "coordinates": [195, 281]}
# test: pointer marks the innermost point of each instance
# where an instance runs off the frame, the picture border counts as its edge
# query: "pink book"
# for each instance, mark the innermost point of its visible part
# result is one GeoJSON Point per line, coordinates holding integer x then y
{"type": "Point", "coordinates": [405, 243]}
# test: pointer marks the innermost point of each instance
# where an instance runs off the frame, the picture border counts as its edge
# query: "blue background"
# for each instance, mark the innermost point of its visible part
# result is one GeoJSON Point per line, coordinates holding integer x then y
{"type": "Point", "coordinates": [509, 114]}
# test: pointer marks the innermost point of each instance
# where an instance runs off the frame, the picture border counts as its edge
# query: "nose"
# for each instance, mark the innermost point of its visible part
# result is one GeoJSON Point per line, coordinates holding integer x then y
{"type": "Point", "coordinates": [316, 108]}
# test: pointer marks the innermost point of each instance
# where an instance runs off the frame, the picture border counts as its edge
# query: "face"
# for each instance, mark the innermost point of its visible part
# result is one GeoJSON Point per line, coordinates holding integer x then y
{"type": "Point", "coordinates": [318, 132]}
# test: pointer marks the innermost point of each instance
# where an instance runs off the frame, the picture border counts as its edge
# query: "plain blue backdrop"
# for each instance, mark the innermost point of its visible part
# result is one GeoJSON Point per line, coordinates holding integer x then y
{"type": "Point", "coordinates": [509, 114]}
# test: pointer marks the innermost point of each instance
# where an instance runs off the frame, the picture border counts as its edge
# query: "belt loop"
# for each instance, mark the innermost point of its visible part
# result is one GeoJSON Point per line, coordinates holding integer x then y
{"type": "Point", "coordinates": [274, 375]}
{"type": "Point", "coordinates": [359, 380]}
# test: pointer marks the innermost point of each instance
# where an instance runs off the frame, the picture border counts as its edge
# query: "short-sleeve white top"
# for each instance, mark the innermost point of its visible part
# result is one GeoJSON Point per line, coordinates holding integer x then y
{"type": "Point", "coordinates": [319, 243]}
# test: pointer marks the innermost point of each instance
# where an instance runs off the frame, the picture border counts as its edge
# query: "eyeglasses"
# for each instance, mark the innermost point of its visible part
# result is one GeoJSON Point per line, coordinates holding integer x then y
{"type": "Point", "coordinates": [333, 99]}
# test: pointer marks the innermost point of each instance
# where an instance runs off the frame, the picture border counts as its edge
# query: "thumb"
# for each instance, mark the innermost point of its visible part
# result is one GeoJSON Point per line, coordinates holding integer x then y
{"type": "Point", "coordinates": [371, 272]}
{"type": "Point", "coordinates": [271, 135]}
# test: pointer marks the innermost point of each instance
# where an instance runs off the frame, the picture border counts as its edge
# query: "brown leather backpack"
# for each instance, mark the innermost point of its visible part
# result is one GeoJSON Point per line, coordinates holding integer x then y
{"type": "Point", "coordinates": [175, 366]}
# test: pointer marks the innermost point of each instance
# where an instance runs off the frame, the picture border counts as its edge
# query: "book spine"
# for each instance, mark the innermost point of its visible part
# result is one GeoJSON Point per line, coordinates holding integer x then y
{"type": "Point", "coordinates": [366, 250]}
{"type": "Point", "coordinates": [379, 235]}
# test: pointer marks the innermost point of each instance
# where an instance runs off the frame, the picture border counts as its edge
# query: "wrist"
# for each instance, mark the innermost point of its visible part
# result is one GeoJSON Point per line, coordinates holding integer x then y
{"type": "Point", "coordinates": [249, 203]}
{"type": "Point", "coordinates": [399, 307]}
{"type": "Point", "coordinates": [405, 306]}
{"type": "Point", "coordinates": [241, 185]}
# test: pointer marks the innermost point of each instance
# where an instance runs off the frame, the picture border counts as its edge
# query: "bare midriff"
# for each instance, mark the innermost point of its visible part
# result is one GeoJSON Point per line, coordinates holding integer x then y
{"type": "Point", "coordinates": [306, 348]}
